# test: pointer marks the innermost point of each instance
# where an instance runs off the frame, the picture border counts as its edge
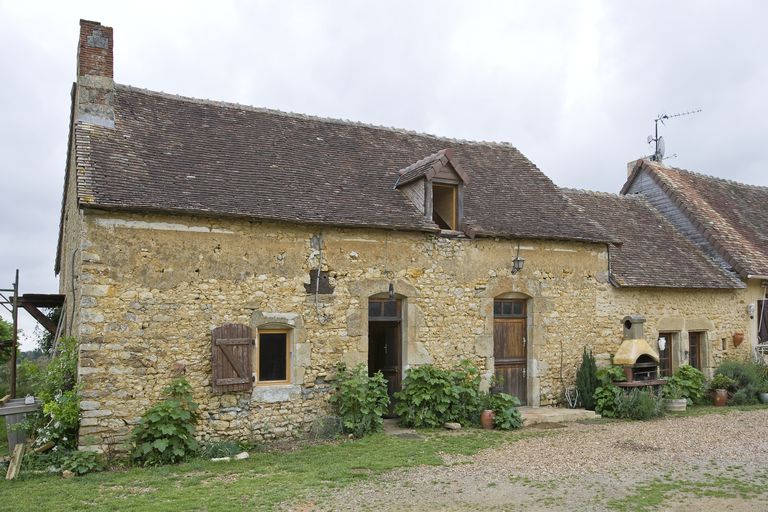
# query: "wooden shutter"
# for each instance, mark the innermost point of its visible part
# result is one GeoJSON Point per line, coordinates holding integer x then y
{"type": "Point", "coordinates": [232, 358]}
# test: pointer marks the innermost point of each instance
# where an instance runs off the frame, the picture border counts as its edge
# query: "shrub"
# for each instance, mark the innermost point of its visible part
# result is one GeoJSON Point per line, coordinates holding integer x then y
{"type": "Point", "coordinates": [432, 396]}
{"type": "Point", "coordinates": [586, 380]}
{"type": "Point", "coordinates": [506, 414]}
{"type": "Point", "coordinates": [55, 385]}
{"type": "Point", "coordinates": [360, 400]}
{"type": "Point", "coordinates": [608, 396]}
{"type": "Point", "coordinates": [222, 448]}
{"type": "Point", "coordinates": [720, 381]}
{"type": "Point", "coordinates": [640, 404]}
{"type": "Point", "coordinates": [748, 377]}
{"type": "Point", "coordinates": [81, 463]}
{"type": "Point", "coordinates": [166, 432]}
{"type": "Point", "coordinates": [690, 382]}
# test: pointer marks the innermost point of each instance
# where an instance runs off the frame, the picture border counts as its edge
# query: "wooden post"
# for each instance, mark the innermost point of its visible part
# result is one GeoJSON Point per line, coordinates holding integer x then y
{"type": "Point", "coordinates": [15, 464]}
{"type": "Point", "coordinates": [15, 339]}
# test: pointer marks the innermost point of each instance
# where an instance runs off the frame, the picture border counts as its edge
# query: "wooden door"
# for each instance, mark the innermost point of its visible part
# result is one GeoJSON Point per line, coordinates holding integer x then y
{"type": "Point", "coordinates": [665, 356]}
{"type": "Point", "coordinates": [385, 343]}
{"type": "Point", "coordinates": [694, 349]}
{"type": "Point", "coordinates": [510, 349]}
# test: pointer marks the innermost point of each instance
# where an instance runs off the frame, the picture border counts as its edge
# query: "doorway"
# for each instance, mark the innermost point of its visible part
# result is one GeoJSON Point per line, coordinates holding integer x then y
{"type": "Point", "coordinates": [665, 356]}
{"type": "Point", "coordinates": [510, 347]}
{"type": "Point", "coordinates": [385, 343]}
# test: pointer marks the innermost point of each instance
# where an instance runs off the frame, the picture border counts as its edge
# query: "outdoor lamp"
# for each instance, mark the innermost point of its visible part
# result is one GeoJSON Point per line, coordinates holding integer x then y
{"type": "Point", "coordinates": [517, 264]}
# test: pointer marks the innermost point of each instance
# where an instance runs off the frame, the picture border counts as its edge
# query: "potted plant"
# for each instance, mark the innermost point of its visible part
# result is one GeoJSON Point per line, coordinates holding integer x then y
{"type": "Point", "coordinates": [674, 398]}
{"type": "Point", "coordinates": [763, 392]}
{"type": "Point", "coordinates": [720, 385]}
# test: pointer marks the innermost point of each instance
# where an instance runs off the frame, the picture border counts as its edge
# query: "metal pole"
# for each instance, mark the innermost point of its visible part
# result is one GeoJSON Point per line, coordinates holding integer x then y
{"type": "Point", "coordinates": [15, 339]}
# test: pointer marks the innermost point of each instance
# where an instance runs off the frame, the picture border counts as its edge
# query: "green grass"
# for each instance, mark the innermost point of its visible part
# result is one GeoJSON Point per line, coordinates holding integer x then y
{"type": "Point", "coordinates": [649, 496]}
{"type": "Point", "coordinates": [259, 483]}
{"type": "Point", "coordinates": [700, 410]}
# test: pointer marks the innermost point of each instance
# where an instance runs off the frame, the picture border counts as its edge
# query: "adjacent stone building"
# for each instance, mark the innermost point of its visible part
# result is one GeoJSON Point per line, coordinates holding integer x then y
{"type": "Point", "coordinates": [253, 250]}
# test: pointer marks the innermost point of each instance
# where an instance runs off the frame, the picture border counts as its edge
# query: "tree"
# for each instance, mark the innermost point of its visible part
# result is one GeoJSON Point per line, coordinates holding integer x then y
{"type": "Point", "coordinates": [6, 333]}
{"type": "Point", "coordinates": [586, 380]}
{"type": "Point", "coordinates": [45, 338]}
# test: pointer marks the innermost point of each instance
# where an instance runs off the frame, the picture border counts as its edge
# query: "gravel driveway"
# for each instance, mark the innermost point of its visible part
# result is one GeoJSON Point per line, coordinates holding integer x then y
{"type": "Point", "coordinates": [712, 462]}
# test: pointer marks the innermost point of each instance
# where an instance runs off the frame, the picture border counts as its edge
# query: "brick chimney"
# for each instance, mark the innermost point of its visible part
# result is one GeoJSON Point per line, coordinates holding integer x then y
{"type": "Point", "coordinates": [95, 96]}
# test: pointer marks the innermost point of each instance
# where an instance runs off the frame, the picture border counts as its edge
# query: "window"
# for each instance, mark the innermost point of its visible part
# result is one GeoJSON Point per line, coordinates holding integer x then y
{"type": "Point", "coordinates": [694, 349]}
{"type": "Point", "coordinates": [665, 356]}
{"type": "Point", "coordinates": [445, 206]}
{"type": "Point", "coordinates": [762, 321]}
{"type": "Point", "coordinates": [513, 308]}
{"type": "Point", "coordinates": [273, 357]}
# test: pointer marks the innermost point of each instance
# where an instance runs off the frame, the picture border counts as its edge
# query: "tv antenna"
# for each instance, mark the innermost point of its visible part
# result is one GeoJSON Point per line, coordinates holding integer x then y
{"type": "Point", "coordinates": [658, 154]}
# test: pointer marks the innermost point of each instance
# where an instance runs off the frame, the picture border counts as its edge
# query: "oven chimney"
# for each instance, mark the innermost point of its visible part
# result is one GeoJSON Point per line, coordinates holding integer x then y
{"type": "Point", "coordinates": [633, 327]}
{"type": "Point", "coordinates": [95, 89]}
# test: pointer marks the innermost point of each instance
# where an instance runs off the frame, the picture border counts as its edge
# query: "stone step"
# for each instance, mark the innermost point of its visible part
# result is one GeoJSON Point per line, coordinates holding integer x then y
{"type": "Point", "coordinates": [534, 415]}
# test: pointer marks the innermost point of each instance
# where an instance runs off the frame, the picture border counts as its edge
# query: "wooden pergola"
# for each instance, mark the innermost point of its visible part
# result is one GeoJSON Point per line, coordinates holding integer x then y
{"type": "Point", "coordinates": [31, 303]}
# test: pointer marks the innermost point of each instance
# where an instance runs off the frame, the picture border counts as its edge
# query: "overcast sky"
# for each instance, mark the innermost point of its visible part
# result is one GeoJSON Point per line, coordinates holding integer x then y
{"type": "Point", "coordinates": [574, 85]}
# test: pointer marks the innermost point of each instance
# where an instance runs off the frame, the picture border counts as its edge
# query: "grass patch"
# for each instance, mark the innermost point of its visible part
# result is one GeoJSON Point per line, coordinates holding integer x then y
{"type": "Point", "coordinates": [649, 496]}
{"type": "Point", "coordinates": [3, 438]}
{"type": "Point", "coordinates": [259, 483]}
{"type": "Point", "coordinates": [700, 410]}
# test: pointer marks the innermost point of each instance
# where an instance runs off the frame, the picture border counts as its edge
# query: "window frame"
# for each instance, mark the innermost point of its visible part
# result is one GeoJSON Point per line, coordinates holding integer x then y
{"type": "Point", "coordinates": [454, 188]}
{"type": "Point", "coordinates": [288, 358]}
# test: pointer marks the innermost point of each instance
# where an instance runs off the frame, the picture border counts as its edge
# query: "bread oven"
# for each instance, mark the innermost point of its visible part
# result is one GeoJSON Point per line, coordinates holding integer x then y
{"type": "Point", "coordinates": [639, 359]}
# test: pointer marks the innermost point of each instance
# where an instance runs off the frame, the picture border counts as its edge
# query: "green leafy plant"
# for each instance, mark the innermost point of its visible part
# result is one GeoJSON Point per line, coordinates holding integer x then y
{"type": "Point", "coordinates": [607, 395]}
{"type": "Point", "coordinates": [432, 396]}
{"type": "Point", "coordinates": [166, 432]}
{"type": "Point", "coordinates": [720, 381]}
{"type": "Point", "coordinates": [690, 381]}
{"type": "Point", "coordinates": [222, 448]}
{"type": "Point", "coordinates": [672, 391]}
{"type": "Point", "coordinates": [80, 462]}
{"type": "Point", "coordinates": [505, 408]}
{"type": "Point", "coordinates": [586, 380]}
{"type": "Point", "coordinates": [748, 377]}
{"type": "Point", "coordinates": [55, 384]}
{"type": "Point", "coordinates": [360, 400]}
{"type": "Point", "coordinates": [640, 404]}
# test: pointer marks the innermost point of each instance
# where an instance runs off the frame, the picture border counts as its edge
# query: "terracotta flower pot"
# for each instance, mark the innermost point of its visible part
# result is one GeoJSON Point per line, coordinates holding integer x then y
{"type": "Point", "coordinates": [738, 338]}
{"type": "Point", "coordinates": [486, 419]}
{"type": "Point", "coordinates": [721, 397]}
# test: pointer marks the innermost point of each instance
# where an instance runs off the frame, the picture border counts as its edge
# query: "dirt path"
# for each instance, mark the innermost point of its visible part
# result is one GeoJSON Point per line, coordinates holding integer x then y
{"type": "Point", "coordinates": [706, 463]}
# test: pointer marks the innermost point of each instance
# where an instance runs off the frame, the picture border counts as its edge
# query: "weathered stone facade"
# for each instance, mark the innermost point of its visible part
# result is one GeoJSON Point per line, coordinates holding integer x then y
{"type": "Point", "coordinates": [152, 287]}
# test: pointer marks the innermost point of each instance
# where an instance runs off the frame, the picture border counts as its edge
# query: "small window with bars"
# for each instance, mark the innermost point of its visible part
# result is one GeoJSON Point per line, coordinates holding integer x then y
{"type": "Point", "coordinates": [509, 308]}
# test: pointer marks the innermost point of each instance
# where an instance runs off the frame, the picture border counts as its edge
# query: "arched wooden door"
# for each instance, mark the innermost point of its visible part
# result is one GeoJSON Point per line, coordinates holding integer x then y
{"type": "Point", "coordinates": [510, 347]}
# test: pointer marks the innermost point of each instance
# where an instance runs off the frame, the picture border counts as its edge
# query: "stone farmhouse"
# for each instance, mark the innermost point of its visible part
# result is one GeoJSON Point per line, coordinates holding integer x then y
{"type": "Point", "coordinates": [252, 250]}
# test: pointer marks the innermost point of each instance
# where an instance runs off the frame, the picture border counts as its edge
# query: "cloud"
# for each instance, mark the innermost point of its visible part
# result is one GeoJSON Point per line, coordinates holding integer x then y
{"type": "Point", "coordinates": [575, 86]}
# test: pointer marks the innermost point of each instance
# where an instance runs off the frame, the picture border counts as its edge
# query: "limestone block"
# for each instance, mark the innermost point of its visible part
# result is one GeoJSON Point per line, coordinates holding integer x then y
{"type": "Point", "coordinates": [95, 290]}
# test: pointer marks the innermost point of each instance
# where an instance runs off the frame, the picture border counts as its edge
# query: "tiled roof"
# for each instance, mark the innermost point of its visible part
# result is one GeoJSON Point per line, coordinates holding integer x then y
{"type": "Point", "coordinates": [653, 253]}
{"type": "Point", "coordinates": [732, 216]}
{"type": "Point", "coordinates": [427, 167]}
{"type": "Point", "coordinates": [173, 154]}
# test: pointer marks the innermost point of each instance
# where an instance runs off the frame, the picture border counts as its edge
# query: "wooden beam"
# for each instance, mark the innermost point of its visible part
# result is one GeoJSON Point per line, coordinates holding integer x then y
{"type": "Point", "coordinates": [38, 315]}
{"type": "Point", "coordinates": [15, 465]}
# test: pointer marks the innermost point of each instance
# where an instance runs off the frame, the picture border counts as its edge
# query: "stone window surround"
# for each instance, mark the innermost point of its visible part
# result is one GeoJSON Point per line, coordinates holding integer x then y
{"type": "Point", "coordinates": [299, 355]}
{"type": "Point", "coordinates": [680, 327]}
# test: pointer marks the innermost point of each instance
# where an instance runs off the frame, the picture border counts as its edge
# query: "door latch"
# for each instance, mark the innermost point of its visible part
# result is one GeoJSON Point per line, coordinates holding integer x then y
{"type": "Point", "coordinates": [525, 340]}
{"type": "Point", "coordinates": [525, 372]}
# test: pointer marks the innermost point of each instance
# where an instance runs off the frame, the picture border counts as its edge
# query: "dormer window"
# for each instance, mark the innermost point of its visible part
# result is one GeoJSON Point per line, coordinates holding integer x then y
{"type": "Point", "coordinates": [445, 205]}
{"type": "Point", "coordinates": [435, 185]}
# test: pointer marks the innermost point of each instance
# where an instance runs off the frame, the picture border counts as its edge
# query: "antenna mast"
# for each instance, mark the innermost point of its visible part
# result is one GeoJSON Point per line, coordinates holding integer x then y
{"type": "Point", "coordinates": [658, 154]}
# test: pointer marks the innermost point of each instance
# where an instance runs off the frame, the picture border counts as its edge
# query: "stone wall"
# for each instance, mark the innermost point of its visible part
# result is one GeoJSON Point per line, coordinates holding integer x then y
{"type": "Point", "coordinates": [155, 286]}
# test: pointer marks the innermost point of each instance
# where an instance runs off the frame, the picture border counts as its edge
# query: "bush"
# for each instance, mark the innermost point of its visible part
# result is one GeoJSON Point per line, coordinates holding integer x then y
{"type": "Point", "coordinates": [222, 448]}
{"type": "Point", "coordinates": [748, 377]}
{"type": "Point", "coordinates": [506, 414]}
{"type": "Point", "coordinates": [166, 432]}
{"type": "Point", "coordinates": [720, 381]}
{"type": "Point", "coordinates": [432, 396]}
{"type": "Point", "coordinates": [81, 463]}
{"type": "Point", "coordinates": [690, 382]}
{"type": "Point", "coordinates": [360, 400]}
{"type": "Point", "coordinates": [640, 404]}
{"type": "Point", "coordinates": [608, 396]}
{"type": "Point", "coordinates": [55, 385]}
{"type": "Point", "coordinates": [586, 380]}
